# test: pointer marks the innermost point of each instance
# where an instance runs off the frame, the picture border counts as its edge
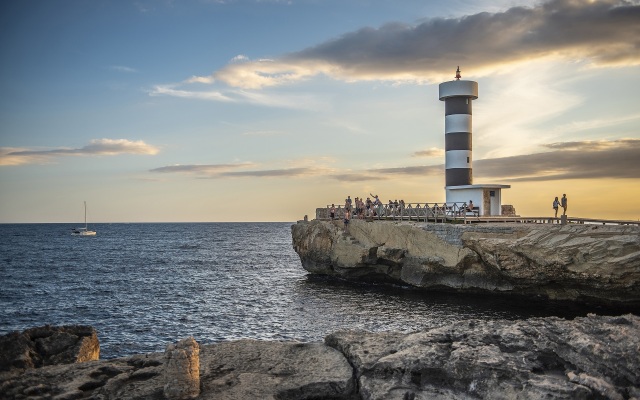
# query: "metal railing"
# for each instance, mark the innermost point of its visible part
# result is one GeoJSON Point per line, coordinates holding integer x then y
{"type": "Point", "coordinates": [436, 212]}
{"type": "Point", "coordinates": [450, 212]}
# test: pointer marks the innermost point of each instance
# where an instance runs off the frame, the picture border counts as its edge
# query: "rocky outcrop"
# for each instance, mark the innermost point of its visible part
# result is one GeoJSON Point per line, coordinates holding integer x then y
{"type": "Point", "coordinates": [244, 369]}
{"type": "Point", "coordinates": [589, 358]}
{"type": "Point", "coordinates": [250, 369]}
{"type": "Point", "coordinates": [48, 345]}
{"type": "Point", "coordinates": [182, 370]}
{"type": "Point", "coordinates": [587, 263]}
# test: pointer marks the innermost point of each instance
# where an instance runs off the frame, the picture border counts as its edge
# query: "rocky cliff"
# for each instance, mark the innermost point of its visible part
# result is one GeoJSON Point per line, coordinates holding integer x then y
{"type": "Point", "coordinates": [588, 358]}
{"type": "Point", "coordinates": [590, 263]}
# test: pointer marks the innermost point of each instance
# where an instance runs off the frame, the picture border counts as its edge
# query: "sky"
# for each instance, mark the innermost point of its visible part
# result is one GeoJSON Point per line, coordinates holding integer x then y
{"type": "Point", "coordinates": [264, 110]}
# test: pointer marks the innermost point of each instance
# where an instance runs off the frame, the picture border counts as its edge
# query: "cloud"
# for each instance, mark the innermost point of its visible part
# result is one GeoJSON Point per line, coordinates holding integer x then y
{"type": "Point", "coordinates": [264, 133]}
{"type": "Point", "coordinates": [601, 159]}
{"type": "Point", "coordinates": [275, 173]}
{"type": "Point", "coordinates": [97, 147]}
{"type": "Point", "coordinates": [615, 159]}
{"type": "Point", "coordinates": [17, 156]}
{"type": "Point", "coordinates": [208, 169]}
{"type": "Point", "coordinates": [168, 90]}
{"type": "Point", "coordinates": [219, 171]}
{"type": "Point", "coordinates": [121, 68]}
{"type": "Point", "coordinates": [592, 145]}
{"type": "Point", "coordinates": [432, 152]}
{"type": "Point", "coordinates": [598, 33]}
{"type": "Point", "coordinates": [297, 102]}
{"type": "Point", "coordinates": [583, 125]}
{"type": "Point", "coordinates": [200, 79]}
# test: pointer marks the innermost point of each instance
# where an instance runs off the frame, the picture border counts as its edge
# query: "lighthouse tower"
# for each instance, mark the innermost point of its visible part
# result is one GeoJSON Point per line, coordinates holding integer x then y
{"type": "Point", "coordinates": [458, 96]}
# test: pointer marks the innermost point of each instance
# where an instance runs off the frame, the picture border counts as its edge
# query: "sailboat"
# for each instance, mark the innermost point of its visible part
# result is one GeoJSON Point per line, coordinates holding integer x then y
{"type": "Point", "coordinates": [83, 231]}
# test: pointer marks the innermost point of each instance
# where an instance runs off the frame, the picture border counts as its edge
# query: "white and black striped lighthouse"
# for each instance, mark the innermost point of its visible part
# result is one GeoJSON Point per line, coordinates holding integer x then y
{"type": "Point", "coordinates": [458, 96]}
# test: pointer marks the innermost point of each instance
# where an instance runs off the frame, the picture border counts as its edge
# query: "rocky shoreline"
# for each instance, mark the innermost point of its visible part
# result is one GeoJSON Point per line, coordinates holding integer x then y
{"type": "Point", "coordinates": [592, 357]}
{"type": "Point", "coordinates": [593, 264]}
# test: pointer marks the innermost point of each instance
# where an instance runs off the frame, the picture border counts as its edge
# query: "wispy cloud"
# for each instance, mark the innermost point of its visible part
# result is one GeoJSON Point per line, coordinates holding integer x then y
{"type": "Point", "coordinates": [97, 147]}
{"type": "Point", "coordinates": [602, 159]}
{"type": "Point", "coordinates": [122, 68]}
{"type": "Point", "coordinates": [616, 159]}
{"type": "Point", "coordinates": [240, 170]}
{"type": "Point", "coordinates": [432, 152]}
{"type": "Point", "coordinates": [613, 159]}
{"type": "Point", "coordinates": [201, 169]}
{"type": "Point", "coordinates": [169, 90]}
{"type": "Point", "coordinates": [264, 133]}
{"type": "Point", "coordinates": [18, 156]}
{"type": "Point", "coordinates": [291, 101]}
{"type": "Point", "coordinates": [599, 33]}
{"type": "Point", "coordinates": [584, 125]}
{"type": "Point", "coordinates": [276, 173]}
{"type": "Point", "coordinates": [200, 79]}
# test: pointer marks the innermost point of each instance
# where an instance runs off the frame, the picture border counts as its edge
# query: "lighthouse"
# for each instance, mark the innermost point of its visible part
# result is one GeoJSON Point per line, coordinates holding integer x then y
{"type": "Point", "coordinates": [458, 96]}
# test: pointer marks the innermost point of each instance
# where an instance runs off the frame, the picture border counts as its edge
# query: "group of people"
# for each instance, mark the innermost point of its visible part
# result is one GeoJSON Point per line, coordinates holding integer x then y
{"type": "Point", "coordinates": [372, 208]}
{"type": "Point", "coordinates": [560, 203]}
{"type": "Point", "coordinates": [360, 208]}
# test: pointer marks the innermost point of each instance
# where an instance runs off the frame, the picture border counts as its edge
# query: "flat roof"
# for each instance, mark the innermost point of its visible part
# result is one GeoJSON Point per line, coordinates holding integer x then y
{"type": "Point", "coordinates": [479, 186]}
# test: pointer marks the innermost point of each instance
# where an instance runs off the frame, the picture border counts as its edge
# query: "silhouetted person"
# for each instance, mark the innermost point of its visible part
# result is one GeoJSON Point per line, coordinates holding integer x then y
{"type": "Point", "coordinates": [556, 204]}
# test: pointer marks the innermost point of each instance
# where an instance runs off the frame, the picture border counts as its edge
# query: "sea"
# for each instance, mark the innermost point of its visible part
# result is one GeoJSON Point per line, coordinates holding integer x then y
{"type": "Point", "coordinates": [146, 285]}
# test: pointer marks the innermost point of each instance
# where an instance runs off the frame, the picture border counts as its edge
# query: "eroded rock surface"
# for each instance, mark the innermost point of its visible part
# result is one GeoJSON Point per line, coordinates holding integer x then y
{"type": "Point", "coordinates": [244, 369]}
{"type": "Point", "coordinates": [594, 357]}
{"type": "Point", "coordinates": [588, 358]}
{"type": "Point", "coordinates": [182, 370]}
{"type": "Point", "coordinates": [48, 345]}
{"type": "Point", "coordinates": [593, 263]}
{"type": "Point", "coordinates": [252, 369]}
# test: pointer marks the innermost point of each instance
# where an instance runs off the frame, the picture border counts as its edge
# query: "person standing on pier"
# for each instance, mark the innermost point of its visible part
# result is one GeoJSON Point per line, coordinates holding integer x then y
{"type": "Point", "coordinates": [347, 218]}
{"type": "Point", "coordinates": [563, 203]}
{"type": "Point", "coordinates": [556, 204]}
{"type": "Point", "coordinates": [377, 204]}
{"type": "Point", "coordinates": [347, 203]}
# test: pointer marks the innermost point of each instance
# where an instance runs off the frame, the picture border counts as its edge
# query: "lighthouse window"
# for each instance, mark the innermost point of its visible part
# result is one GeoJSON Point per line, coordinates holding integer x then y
{"type": "Point", "coordinates": [466, 101]}
{"type": "Point", "coordinates": [467, 160]}
{"type": "Point", "coordinates": [492, 193]}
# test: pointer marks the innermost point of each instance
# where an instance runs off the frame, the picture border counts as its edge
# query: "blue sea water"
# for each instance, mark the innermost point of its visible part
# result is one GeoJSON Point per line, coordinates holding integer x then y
{"type": "Point", "coordinates": [143, 286]}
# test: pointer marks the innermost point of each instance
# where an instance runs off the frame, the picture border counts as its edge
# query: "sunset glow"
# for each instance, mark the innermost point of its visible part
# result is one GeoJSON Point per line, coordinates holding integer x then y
{"type": "Point", "coordinates": [248, 110]}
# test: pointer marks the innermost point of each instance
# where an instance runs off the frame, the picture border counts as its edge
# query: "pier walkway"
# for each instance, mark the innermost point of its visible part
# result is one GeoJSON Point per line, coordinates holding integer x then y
{"type": "Point", "coordinates": [452, 213]}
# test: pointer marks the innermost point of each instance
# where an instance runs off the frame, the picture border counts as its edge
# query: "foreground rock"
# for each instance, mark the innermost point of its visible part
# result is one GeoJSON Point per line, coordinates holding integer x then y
{"type": "Point", "coordinates": [245, 369]}
{"type": "Point", "coordinates": [48, 345]}
{"type": "Point", "coordinates": [588, 358]}
{"type": "Point", "coordinates": [591, 263]}
{"type": "Point", "coordinates": [182, 370]}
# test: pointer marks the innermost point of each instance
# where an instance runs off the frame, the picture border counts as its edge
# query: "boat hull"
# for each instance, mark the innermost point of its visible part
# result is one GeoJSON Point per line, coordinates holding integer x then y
{"type": "Point", "coordinates": [83, 232]}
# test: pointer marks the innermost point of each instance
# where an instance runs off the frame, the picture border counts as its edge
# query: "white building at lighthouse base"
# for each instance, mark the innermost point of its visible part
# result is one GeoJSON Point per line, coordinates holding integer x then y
{"type": "Point", "coordinates": [487, 197]}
